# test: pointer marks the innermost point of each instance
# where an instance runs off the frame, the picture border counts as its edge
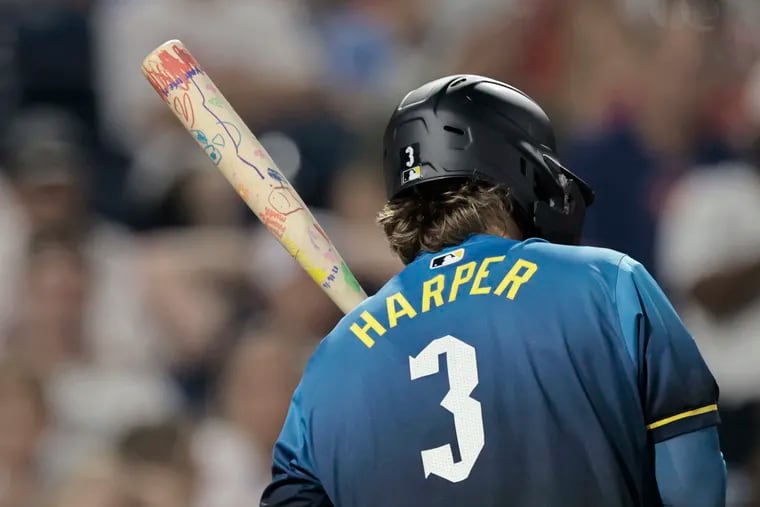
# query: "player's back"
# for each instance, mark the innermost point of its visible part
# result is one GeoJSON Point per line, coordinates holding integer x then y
{"type": "Point", "coordinates": [490, 374]}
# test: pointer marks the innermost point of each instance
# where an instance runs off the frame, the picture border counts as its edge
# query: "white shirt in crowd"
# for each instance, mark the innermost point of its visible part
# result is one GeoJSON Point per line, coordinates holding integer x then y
{"type": "Point", "coordinates": [712, 223]}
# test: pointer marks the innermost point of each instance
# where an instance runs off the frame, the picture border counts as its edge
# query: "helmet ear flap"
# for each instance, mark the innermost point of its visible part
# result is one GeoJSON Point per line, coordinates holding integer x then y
{"type": "Point", "coordinates": [585, 189]}
{"type": "Point", "coordinates": [562, 225]}
{"type": "Point", "coordinates": [563, 222]}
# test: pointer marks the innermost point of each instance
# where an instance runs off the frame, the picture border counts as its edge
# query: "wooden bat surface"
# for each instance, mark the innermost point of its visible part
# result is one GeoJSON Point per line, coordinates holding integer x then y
{"type": "Point", "coordinates": [189, 92]}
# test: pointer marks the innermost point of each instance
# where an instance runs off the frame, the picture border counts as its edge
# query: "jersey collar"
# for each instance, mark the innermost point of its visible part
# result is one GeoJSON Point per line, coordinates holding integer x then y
{"type": "Point", "coordinates": [471, 240]}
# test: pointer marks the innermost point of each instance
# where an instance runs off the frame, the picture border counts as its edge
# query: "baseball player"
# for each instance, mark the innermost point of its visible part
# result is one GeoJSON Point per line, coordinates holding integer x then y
{"type": "Point", "coordinates": [505, 365]}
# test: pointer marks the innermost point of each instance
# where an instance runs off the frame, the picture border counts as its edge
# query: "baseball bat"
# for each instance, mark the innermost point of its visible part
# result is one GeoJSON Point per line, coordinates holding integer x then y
{"type": "Point", "coordinates": [201, 108]}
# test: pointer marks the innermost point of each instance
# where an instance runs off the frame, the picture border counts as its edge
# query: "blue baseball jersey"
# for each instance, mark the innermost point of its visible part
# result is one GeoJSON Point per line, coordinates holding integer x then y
{"type": "Point", "coordinates": [496, 373]}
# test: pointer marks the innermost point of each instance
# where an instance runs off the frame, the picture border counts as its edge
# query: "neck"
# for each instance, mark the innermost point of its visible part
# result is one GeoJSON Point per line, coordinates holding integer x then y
{"type": "Point", "coordinates": [509, 231]}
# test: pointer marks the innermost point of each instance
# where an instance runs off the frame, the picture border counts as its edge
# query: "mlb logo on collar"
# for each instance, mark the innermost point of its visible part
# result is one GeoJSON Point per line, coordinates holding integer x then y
{"type": "Point", "coordinates": [410, 159]}
{"type": "Point", "coordinates": [447, 259]}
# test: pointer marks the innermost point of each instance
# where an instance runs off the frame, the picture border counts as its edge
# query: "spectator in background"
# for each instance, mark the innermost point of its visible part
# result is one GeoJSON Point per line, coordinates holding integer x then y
{"type": "Point", "coordinates": [90, 403]}
{"type": "Point", "coordinates": [44, 170]}
{"type": "Point", "coordinates": [357, 194]}
{"type": "Point", "coordinates": [48, 172]}
{"type": "Point", "coordinates": [194, 253]}
{"type": "Point", "coordinates": [370, 45]}
{"type": "Point", "coordinates": [378, 49]}
{"type": "Point", "coordinates": [201, 293]}
{"type": "Point", "coordinates": [47, 35]}
{"type": "Point", "coordinates": [630, 133]}
{"type": "Point", "coordinates": [75, 312]}
{"type": "Point", "coordinates": [97, 483]}
{"type": "Point", "coordinates": [172, 184]}
{"type": "Point", "coordinates": [631, 157]}
{"type": "Point", "coordinates": [158, 467]}
{"type": "Point", "coordinates": [47, 59]}
{"type": "Point", "coordinates": [48, 328]}
{"type": "Point", "coordinates": [235, 446]}
{"type": "Point", "coordinates": [521, 43]}
{"type": "Point", "coordinates": [9, 76]}
{"type": "Point", "coordinates": [709, 249]}
{"type": "Point", "coordinates": [23, 424]}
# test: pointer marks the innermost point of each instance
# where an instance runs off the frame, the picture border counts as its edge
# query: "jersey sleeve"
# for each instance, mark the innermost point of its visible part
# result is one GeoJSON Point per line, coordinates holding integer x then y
{"type": "Point", "coordinates": [690, 470]}
{"type": "Point", "coordinates": [294, 483]}
{"type": "Point", "coordinates": [679, 393]}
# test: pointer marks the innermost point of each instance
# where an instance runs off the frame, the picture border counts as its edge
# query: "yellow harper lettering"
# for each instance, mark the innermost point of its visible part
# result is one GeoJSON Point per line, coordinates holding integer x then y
{"type": "Point", "coordinates": [370, 324]}
{"type": "Point", "coordinates": [521, 272]}
{"type": "Point", "coordinates": [435, 294]}
{"type": "Point", "coordinates": [482, 274]}
{"type": "Point", "coordinates": [462, 275]}
{"type": "Point", "coordinates": [404, 308]}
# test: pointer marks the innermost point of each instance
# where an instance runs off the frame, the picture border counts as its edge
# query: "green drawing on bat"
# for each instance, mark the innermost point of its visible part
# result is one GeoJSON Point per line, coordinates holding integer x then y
{"type": "Point", "coordinates": [216, 101]}
{"type": "Point", "coordinates": [350, 278]}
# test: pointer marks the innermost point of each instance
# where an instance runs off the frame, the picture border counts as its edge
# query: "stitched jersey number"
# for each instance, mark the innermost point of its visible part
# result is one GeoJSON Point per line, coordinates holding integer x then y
{"type": "Point", "coordinates": [468, 417]}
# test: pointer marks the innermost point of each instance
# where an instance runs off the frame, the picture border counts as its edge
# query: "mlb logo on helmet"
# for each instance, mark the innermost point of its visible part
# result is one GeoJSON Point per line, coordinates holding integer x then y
{"type": "Point", "coordinates": [412, 174]}
{"type": "Point", "coordinates": [410, 156]}
{"type": "Point", "coordinates": [447, 259]}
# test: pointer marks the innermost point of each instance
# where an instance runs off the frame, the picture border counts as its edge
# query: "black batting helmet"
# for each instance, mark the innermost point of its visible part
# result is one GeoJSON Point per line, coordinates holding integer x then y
{"type": "Point", "coordinates": [473, 127]}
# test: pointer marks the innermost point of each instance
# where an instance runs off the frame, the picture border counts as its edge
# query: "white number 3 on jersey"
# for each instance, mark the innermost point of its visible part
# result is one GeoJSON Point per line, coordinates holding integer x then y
{"type": "Point", "coordinates": [468, 416]}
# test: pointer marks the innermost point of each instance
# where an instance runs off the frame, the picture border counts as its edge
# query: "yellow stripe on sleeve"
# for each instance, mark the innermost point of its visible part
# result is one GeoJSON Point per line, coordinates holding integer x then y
{"type": "Point", "coordinates": [683, 415]}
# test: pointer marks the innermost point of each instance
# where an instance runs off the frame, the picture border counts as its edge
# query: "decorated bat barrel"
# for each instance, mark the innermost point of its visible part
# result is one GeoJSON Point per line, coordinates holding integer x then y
{"type": "Point", "coordinates": [189, 92]}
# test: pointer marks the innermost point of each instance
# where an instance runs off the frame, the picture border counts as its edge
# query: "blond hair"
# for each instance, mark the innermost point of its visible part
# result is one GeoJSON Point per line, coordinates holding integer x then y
{"type": "Point", "coordinates": [437, 215]}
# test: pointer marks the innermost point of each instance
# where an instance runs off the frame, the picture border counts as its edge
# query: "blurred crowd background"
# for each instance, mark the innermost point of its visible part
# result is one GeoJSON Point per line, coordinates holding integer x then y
{"type": "Point", "coordinates": [151, 332]}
